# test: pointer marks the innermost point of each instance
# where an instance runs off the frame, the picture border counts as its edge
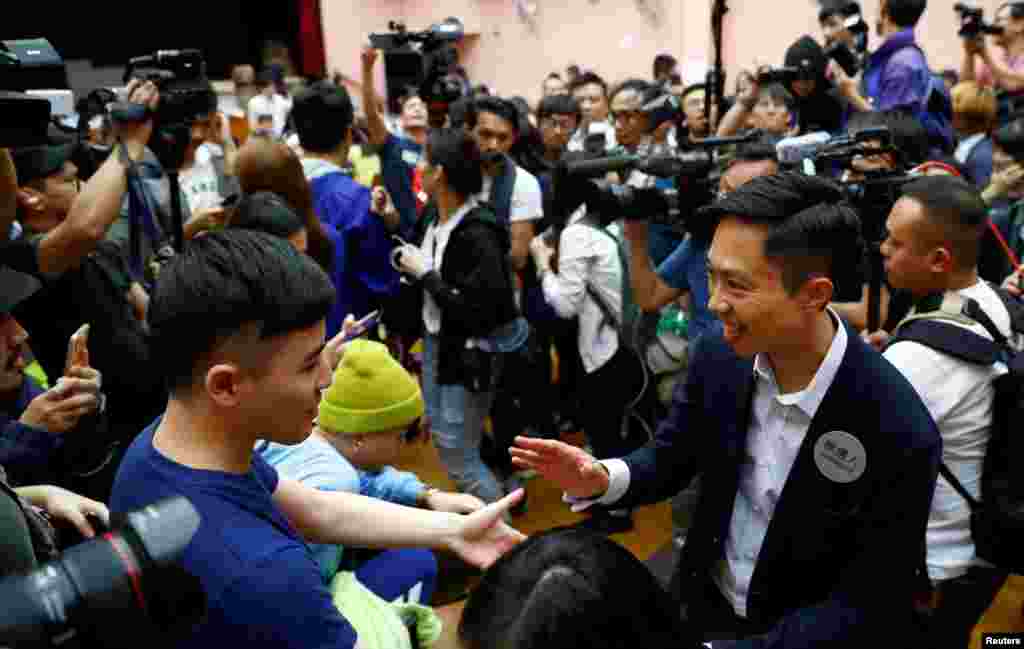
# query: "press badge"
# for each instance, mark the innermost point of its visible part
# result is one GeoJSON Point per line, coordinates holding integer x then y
{"type": "Point", "coordinates": [840, 456]}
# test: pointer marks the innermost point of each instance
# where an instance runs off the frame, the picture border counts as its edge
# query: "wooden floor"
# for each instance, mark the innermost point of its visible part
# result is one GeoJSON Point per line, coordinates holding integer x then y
{"type": "Point", "coordinates": [653, 529]}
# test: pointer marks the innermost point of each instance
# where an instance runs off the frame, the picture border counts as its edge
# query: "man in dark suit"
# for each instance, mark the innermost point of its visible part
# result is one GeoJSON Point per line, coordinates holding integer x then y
{"type": "Point", "coordinates": [817, 459]}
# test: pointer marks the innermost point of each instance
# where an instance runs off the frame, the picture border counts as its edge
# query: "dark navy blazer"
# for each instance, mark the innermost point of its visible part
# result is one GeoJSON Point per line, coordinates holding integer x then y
{"type": "Point", "coordinates": [839, 561]}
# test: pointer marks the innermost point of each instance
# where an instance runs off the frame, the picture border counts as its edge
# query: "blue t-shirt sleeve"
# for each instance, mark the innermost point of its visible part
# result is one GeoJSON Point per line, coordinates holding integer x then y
{"type": "Point", "coordinates": [391, 485]}
{"type": "Point", "coordinates": [673, 271]}
{"type": "Point", "coordinates": [282, 602]}
{"type": "Point", "coordinates": [396, 173]}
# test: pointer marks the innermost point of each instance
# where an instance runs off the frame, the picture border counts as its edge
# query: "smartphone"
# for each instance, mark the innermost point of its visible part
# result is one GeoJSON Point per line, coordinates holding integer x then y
{"type": "Point", "coordinates": [362, 326]}
{"type": "Point", "coordinates": [78, 349]}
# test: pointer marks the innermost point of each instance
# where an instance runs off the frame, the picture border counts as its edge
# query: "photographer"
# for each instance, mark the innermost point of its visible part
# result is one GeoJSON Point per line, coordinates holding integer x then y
{"type": "Point", "coordinates": [268, 110]}
{"type": "Point", "coordinates": [832, 18]}
{"type": "Point", "coordinates": [818, 105]}
{"type": "Point", "coordinates": [932, 251]}
{"type": "Point", "coordinates": [897, 75]}
{"type": "Point", "coordinates": [769, 108]}
{"type": "Point", "coordinates": [1002, 68]}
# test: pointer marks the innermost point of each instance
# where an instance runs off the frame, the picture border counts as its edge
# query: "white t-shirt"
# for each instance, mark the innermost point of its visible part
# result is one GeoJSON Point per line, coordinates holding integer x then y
{"type": "Point", "coordinates": [959, 397]}
{"type": "Point", "coordinates": [434, 243]}
{"type": "Point", "coordinates": [527, 202]}
{"type": "Point", "coordinates": [277, 107]}
{"type": "Point", "coordinates": [199, 184]}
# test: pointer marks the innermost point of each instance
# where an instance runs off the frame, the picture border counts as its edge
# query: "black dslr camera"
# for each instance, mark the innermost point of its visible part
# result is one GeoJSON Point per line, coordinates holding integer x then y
{"type": "Point", "coordinates": [426, 60]}
{"type": "Point", "coordinates": [117, 590]}
{"type": "Point", "coordinates": [851, 60]}
{"type": "Point", "coordinates": [784, 75]}
{"type": "Point", "coordinates": [972, 22]}
{"type": "Point", "coordinates": [185, 96]}
{"type": "Point", "coordinates": [27, 64]}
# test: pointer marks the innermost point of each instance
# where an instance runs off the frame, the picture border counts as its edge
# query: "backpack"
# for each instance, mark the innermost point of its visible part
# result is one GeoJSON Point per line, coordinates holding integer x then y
{"type": "Point", "coordinates": [997, 520]}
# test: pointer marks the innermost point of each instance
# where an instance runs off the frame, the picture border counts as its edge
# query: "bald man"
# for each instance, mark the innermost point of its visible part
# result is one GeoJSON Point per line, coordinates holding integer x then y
{"type": "Point", "coordinates": [685, 270]}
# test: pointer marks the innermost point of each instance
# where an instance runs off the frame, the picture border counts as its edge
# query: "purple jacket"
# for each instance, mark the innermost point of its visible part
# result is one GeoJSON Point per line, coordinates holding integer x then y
{"type": "Point", "coordinates": [897, 75]}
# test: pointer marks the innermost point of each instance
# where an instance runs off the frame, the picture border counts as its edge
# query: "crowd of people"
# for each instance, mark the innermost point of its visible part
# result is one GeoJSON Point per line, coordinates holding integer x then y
{"type": "Point", "coordinates": [805, 373]}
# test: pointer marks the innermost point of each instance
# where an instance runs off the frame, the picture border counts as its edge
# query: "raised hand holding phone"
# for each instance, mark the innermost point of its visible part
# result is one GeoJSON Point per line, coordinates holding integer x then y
{"type": "Point", "coordinates": [78, 350]}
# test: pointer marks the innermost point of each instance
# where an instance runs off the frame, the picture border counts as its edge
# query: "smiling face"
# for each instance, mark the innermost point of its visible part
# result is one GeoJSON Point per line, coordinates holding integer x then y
{"type": "Point", "coordinates": [747, 291]}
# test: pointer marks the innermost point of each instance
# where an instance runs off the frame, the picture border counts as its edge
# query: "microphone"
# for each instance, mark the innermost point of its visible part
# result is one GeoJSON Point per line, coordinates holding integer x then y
{"type": "Point", "coordinates": [672, 166]}
{"type": "Point", "coordinates": [794, 150]}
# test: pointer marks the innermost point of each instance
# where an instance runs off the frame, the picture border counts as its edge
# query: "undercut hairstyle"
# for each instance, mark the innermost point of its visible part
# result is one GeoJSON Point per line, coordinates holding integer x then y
{"type": "Point", "coordinates": [224, 285]}
{"type": "Point", "coordinates": [908, 135]}
{"type": "Point", "coordinates": [568, 588]}
{"type": "Point", "coordinates": [812, 231]}
{"type": "Point", "coordinates": [265, 212]}
{"type": "Point", "coordinates": [457, 153]}
{"type": "Point", "coordinates": [906, 13]}
{"type": "Point", "coordinates": [559, 105]}
{"type": "Point", "coordinates": [957, 210]}
{"type": "Point", "coordinates": [504, 109]}
{"type": "Point", "coordinates": [323, 116]}
{"type": "Point", "coordinates": [586, 79]}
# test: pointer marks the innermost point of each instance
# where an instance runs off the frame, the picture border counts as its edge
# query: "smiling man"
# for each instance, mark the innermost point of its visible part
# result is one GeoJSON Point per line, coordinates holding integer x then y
{"type": "Point", "coordinates": [817, 459]}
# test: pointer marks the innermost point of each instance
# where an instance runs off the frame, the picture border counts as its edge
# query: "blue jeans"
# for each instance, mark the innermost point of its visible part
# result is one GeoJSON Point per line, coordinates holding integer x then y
{"type": "Point", "coordinates": [457, 427]}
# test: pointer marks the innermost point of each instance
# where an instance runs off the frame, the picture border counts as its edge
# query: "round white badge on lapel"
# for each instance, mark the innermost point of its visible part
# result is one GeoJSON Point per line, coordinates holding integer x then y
{"type": "Point", "coordinates": [840, 456]}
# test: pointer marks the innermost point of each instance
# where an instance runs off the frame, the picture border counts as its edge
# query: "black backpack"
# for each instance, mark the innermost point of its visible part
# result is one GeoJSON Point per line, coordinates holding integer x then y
{"type": "Point", "coordinates": [997, 520]}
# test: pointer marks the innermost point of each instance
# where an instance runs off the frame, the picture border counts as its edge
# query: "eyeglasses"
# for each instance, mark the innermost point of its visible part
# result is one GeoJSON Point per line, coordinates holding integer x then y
{"type": "Point", "coordinates": [567, 125]}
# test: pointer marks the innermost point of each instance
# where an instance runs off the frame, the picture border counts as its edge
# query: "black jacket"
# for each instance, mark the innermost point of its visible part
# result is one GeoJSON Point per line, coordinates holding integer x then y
{"type": "Point", "coordinates": [474, 288]}
{"type": "Point", "coordinates": [838, 563]}
{"type": "Point", "coordinates": [823, 109]}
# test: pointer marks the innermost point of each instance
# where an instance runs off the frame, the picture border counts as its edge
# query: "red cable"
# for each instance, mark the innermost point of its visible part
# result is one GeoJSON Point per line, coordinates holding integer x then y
{"type": "Point", "coordinates": [1006, 246]}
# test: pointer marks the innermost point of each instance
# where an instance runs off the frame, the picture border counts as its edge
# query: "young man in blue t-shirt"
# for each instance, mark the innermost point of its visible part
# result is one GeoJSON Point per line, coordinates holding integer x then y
{"type": "Point", "coordinates": [237, 321]}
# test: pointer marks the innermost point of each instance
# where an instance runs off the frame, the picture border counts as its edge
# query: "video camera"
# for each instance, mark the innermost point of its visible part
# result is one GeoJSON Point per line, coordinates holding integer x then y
{"type": "Point", "coordinates": [185, 96]}
{"type": "Point", "coordinates": [430, 67]}
{"type": "Point", "coordinates": [784, 75]}
{"type": "Point", "coordinates": [575, 184]}
{"type": "Point", "coordinates": [116, 591]}
{"type": "Point", "coordinates": [972, 22]}
{"type": "Point", "coordinates": [26, 67]}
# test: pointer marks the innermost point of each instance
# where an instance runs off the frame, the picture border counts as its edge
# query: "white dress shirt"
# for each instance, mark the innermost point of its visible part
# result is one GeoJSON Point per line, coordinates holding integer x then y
{"type": "Point", "coordinates": [778, 425]}
{"type": "Point", "coordinates": [434, 243]}
{"type": "Point", "coordinates": [587, 257]}
{"type": "Point", "coordinates": [959, 397]}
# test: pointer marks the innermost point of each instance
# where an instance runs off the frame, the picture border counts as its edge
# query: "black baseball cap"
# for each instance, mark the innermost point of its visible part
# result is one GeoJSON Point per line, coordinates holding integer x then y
{"type": "Point", "coordinates": [34, 162]}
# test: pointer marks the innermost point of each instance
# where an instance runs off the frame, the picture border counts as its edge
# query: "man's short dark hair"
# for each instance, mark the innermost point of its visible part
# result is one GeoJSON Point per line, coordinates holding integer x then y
{"type": "Point", "coordinates": [559, 105]}
{"type": "Point", "coordinates": [456, 151]}
{"type": "Point", "coordinates": [567, 588]}
{"type": "Point", "coordinates": [841, 8]}
{"type": "Point", "coordinates": [645, 89]}
{"type": "Point", "coordinates": [957, 209]}
{"type": "Point", "coordinates": [220, 283]}
{"type": "Point", "coordinates": [780, 95]}
{"type": "Point", "coordinates": [663, 64]}
{"type": "Point", "coordinates": [586, 79]}
{"type": "Point", "coordinates": [506, 110]}
{"type": "Point", "coordinates": [323, 115]}
{"type": "Point", "coordinates": [811, 230]}
{"type": "Point", "coordinates": [908, 135]}
{"type": "Point", "coordinates": [906, 13]}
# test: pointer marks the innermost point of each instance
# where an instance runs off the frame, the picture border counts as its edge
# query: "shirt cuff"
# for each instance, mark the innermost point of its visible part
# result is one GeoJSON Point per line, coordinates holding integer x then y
{"type": "Point", "coordinates": [618, 484]}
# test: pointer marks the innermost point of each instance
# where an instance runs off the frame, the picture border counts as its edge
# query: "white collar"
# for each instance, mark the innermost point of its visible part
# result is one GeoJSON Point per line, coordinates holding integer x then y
{"type": "Point", "coordinates": [809, 399]}
{"type": "Point", "coordinates": [963, 150]}
{"type": "Point", "coordinates": [455, 218]}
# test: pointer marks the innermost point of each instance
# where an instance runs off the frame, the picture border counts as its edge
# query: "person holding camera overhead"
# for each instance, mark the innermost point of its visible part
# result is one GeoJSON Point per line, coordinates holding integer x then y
{"type": "Point", "coordinates": [1001, 66]}
{"type": "Point", "coordinates": [469, 312]}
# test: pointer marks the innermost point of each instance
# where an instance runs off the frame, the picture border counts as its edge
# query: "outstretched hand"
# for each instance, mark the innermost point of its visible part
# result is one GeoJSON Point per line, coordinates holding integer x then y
{"type": "Point", "coordinates": [569, 467]}
{"type": "Point", "coordinates": [483, 536]}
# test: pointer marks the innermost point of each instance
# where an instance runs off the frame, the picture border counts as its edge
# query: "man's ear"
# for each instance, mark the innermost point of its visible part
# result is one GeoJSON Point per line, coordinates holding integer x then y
{"type": "Point", "coordinates": [941, 260]}
{"type": "Point", "coordinates": [31, 199]}
{"type": "Point", "coordinates": [816, 293]}
{"type": "Point", "coordinates": [224, 385]}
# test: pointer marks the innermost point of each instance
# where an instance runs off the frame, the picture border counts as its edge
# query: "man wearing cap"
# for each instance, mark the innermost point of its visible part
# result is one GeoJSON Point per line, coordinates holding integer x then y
{"type": "Point", "coordinates": [83, 278]}
{"type": "Point", "coordinates": [34, 421]}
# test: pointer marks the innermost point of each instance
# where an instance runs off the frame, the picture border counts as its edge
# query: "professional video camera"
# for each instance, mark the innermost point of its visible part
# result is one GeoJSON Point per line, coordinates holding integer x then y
{"type": "Point", "coordinates": [784, 75]}
{"type": "Point", "coordinates": [32, 78]}
{"type": "Point", "coordinates": [872, 194]}
{"type": "Point", "coordinates": [429, 66]}
{"type": "Point", "coordinates": [185, 96]}
{"type": "Point", "coordinates": [118, 590]}
{"type": "Point", "coordinates": [972, 22]}
{"type": "Point", "coordinates": [575, 184]}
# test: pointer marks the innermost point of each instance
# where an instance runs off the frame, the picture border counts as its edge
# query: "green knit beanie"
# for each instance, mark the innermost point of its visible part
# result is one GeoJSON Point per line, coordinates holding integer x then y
{"type": "Point", "coordinates": [371, 393]}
